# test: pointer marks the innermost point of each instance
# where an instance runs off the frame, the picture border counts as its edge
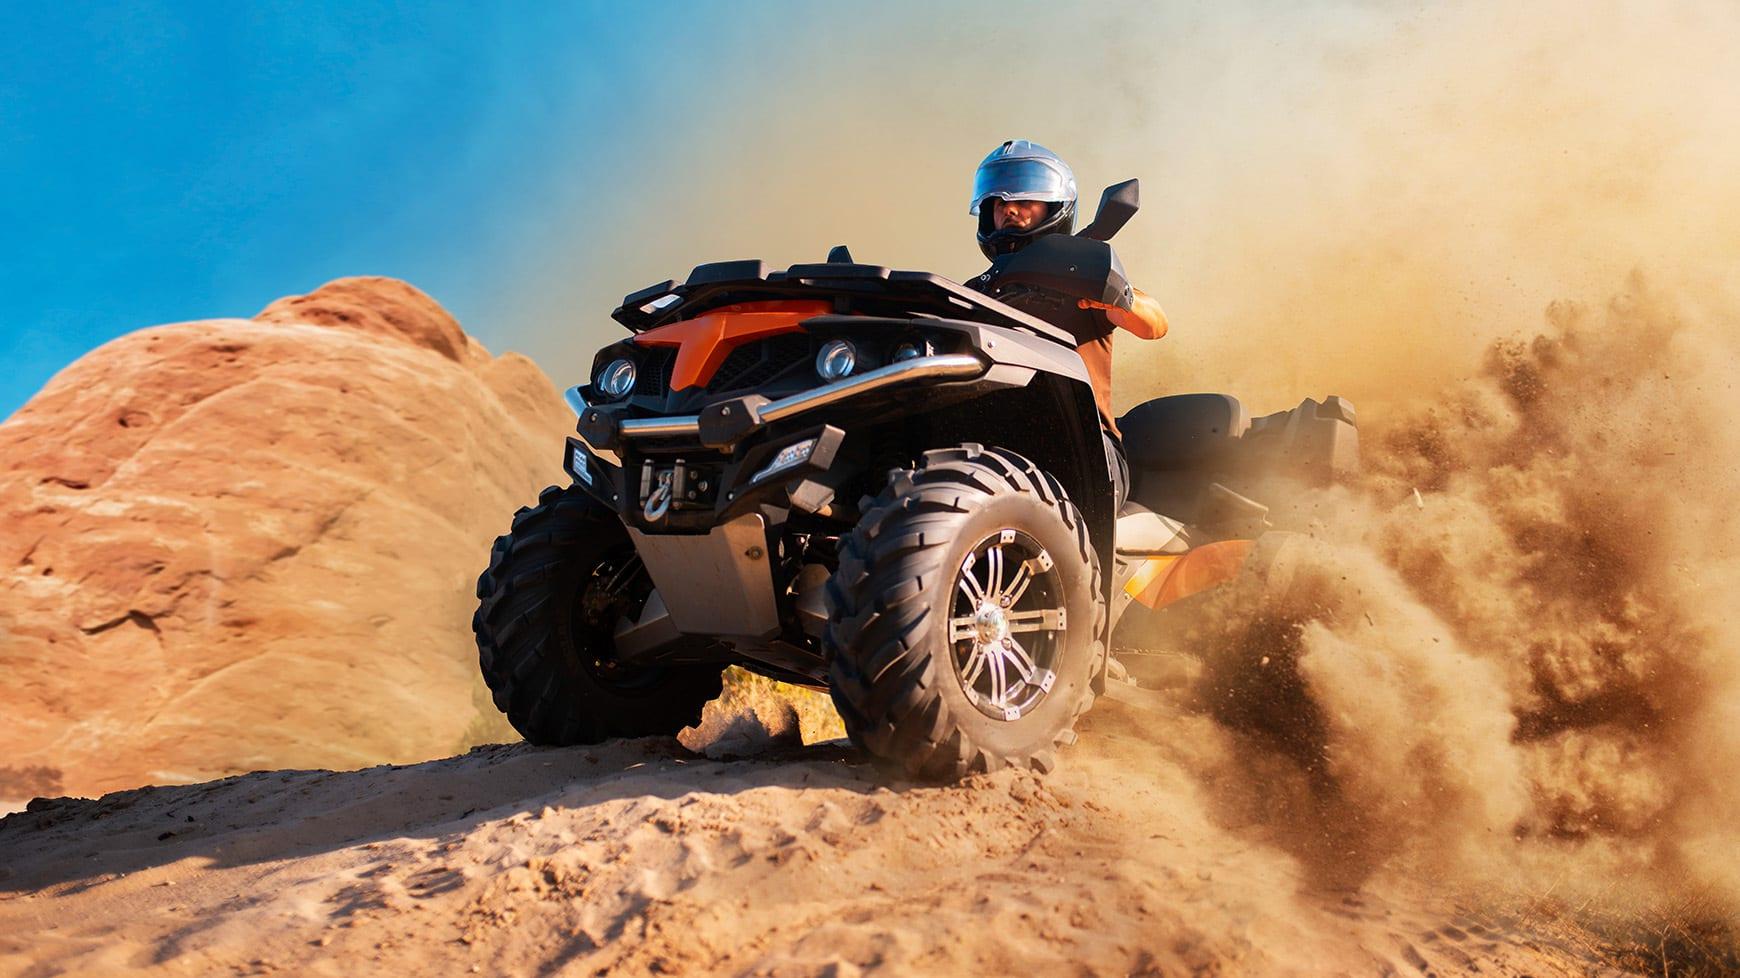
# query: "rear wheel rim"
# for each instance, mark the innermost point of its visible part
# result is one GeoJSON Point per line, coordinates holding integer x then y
{"type": "Point", "coordinates": [1006, 624]}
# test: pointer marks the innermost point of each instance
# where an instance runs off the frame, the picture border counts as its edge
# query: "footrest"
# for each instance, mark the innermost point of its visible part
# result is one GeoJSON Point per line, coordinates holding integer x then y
{"type": "Point", "coordinates": [1142, 532]}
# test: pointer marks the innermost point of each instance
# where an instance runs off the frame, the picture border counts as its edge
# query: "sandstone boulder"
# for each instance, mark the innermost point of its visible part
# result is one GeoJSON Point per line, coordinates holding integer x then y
{"type": "Point", "coordinates": [242, 544]}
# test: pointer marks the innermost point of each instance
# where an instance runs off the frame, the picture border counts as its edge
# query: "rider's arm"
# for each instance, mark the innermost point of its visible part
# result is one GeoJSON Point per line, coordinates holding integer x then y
{"type": "Point", "coordinates": [1144, 318]}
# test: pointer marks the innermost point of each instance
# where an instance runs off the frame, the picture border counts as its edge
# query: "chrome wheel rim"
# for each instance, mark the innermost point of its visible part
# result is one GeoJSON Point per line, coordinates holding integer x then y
{"type": "Point", "coordinates": [1006, 624]}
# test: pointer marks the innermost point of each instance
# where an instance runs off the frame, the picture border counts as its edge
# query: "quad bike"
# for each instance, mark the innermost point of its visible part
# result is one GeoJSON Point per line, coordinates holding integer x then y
{"type": "Point", "coordinates": [880, 483]}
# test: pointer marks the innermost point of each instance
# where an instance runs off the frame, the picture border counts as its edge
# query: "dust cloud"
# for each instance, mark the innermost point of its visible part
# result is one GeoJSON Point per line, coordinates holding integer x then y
{"type": "Point", "coordinates": [1510, 649]}
{"type": "Point", "coordinates": [1526, 671]}
{"type": "Point", "coordinates": [1406, 190]}
{"type": "Point", "coordinates": [1508, 654]}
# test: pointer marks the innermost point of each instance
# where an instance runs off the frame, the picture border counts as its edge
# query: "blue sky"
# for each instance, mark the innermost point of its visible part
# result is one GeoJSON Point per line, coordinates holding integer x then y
{"type": "Point", "coordinates": [525, 164]}
{"type": "Point", "coordinates": [182, 161]}
{"type": "Point", "coordinates": [1312, 175]}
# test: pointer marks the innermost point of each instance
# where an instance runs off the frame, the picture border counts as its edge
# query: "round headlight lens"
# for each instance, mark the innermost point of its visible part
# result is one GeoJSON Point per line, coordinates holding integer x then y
{"type": "Point", "coordinates": [837, 359]}
{"type": "Point", "coordinates": [617, 378]}
{"type": "Point", "coordinates": [911, 349]}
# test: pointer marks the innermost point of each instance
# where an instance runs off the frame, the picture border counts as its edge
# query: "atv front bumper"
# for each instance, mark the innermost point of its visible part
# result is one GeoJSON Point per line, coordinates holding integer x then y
{"type": "Point", "coordinates": [725, 423]}
{"type": "Point", "coordinates": [694, 492]}
{"type": "Point", "coordinates": [691, 473]}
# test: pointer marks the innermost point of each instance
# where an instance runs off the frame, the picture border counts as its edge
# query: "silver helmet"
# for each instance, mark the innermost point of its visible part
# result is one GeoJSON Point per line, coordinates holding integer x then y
{"type": "Point", "coordinates": [1022, 170]}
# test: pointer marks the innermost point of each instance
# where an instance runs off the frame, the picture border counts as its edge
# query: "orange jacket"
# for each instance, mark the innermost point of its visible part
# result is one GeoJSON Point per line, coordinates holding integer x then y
{"type": "Point", "coordinates": [1144, 318]}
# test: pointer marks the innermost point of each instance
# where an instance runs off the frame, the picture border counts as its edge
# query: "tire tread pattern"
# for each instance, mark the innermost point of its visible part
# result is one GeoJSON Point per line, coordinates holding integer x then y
{"type": "Point", "coordinates": [882, 675]}
{"type": "Point", "coordinates": [549, 699]}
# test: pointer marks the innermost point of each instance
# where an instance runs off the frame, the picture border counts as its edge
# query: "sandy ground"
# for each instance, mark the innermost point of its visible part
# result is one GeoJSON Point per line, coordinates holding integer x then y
{"type": "Point", "coordinates": [642, 858]}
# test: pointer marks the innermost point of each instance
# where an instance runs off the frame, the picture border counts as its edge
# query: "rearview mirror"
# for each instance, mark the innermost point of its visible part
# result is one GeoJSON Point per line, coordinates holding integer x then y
{"type": "Point", "coordinates": [1117, 205]}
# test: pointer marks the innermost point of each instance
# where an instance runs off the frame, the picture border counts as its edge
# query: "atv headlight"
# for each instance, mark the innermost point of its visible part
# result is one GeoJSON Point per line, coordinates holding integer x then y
{"type": "Point", "coordinates": [616, 379]}
{"type": "Point", "coordinates": [911, 349]}
{"type": "Point", "coordinates": [837, 359]}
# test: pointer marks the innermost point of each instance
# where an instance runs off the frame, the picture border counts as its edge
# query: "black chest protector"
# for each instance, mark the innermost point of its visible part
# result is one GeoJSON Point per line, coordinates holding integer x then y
{"type": "Point", "coordinates": [1047, 279]}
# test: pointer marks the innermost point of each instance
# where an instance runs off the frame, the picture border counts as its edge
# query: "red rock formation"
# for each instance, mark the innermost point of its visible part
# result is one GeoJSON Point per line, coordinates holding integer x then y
{"type": "Point", "coordinates": [242, 544]}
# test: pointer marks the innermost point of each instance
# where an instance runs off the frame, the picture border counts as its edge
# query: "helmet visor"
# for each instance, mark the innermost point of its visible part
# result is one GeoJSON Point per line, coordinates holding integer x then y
{"type": "Point", "coordinates": [1019, 179]}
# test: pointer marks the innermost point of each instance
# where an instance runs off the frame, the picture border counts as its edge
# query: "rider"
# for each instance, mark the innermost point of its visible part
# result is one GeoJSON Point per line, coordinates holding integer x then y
{"type": "Point", "coordinates": [1021, 192]}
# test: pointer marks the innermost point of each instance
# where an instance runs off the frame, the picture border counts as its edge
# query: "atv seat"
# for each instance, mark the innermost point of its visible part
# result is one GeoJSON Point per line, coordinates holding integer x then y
{"type": "Point", "coordinates": [1180, 446]}
{"type": "Point", "coordinates": [1182, 431]}
{"type": "Point", "coordinates": [1142, 532]}
{"type": "Point", "coordinates": [1177, 445]}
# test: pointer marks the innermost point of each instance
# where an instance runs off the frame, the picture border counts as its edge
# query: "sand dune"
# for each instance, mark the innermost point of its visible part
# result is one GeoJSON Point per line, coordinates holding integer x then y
{"type": "Point", "coordinates": [242, 544]}
{"type": "Point", "coordinates": [641, 858]}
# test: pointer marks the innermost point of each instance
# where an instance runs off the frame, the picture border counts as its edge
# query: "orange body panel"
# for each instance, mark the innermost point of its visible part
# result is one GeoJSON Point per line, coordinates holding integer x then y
{"type": "Point", "coordinates": [1151, 573]}
{"type": "Point", "coordinates": [1163, 580]}
{"type": "Point", "coordinates": [704, 342]}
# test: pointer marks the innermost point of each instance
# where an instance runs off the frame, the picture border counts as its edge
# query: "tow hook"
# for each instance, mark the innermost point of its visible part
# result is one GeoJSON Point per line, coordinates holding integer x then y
{"type": "Point", "coordinates": [658, 503]}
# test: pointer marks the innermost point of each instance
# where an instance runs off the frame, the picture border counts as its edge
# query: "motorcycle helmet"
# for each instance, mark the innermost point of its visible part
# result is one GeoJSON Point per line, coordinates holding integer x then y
{"type": "Point", "coordinates": [1022, 170]}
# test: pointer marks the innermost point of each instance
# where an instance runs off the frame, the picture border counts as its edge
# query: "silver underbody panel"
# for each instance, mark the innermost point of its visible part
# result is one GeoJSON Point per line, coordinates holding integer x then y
{"type": "Point", "coordinates": [720, 583]}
